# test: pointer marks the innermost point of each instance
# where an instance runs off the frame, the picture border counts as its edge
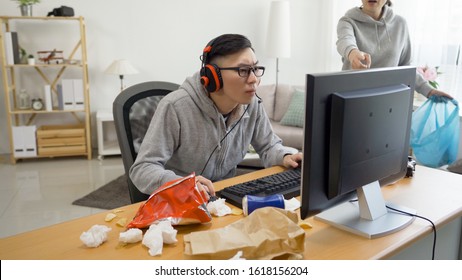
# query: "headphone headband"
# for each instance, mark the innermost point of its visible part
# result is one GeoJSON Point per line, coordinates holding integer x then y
{"type": "Point", "coordinates": [205, 53]}
{"type": "Point", "coordinates": [210, 73]}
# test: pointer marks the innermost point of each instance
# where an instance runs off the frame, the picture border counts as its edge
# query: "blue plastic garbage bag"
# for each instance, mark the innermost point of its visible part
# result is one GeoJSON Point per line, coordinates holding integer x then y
{"type": "Point", "coordinates": [435, 132]}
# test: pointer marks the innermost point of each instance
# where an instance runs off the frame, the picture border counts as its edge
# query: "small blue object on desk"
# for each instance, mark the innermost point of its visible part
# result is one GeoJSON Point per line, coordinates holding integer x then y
{"type": "Point", "coordinates": [250, 202]}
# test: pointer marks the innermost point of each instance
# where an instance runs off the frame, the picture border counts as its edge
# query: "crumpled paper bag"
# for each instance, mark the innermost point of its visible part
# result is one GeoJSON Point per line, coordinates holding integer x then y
{"type": "Point", "coordinates": [267, 233]}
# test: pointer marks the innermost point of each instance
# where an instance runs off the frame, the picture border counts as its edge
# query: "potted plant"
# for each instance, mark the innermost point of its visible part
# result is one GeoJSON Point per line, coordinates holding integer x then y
{"type": "Point", "coordinates": [23, 56]}
{"type": "Point", "coordinates": [31, 60]}
{"type": "Point", "coordinates": [26, 6]}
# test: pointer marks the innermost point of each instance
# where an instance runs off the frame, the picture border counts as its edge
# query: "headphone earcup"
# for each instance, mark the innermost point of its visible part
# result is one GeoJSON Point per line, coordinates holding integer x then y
{"type": "Point", "coordinates": [211, 77]}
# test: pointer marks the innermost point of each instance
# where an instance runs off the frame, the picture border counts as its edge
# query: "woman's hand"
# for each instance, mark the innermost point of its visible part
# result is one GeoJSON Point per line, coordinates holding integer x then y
{"type": "Point", "coordinates": [439, 93]}
{"type": "Point", "coordinates": [359, 59]}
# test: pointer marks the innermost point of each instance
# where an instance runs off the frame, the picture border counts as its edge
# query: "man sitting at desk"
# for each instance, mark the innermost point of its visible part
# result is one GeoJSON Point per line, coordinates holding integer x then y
{"type": "Point", "coordinates": [206, 125]}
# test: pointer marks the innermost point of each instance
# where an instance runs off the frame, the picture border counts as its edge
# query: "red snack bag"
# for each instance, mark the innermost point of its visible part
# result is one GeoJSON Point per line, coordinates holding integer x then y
{"type": "Point", "coordinates": [179, 201]}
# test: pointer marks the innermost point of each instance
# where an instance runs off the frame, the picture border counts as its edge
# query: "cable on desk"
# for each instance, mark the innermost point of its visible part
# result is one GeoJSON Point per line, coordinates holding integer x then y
{"type": "Point", "coordinates": [417, 216]}
{"type": "Point", "coordinates": [428, 220]}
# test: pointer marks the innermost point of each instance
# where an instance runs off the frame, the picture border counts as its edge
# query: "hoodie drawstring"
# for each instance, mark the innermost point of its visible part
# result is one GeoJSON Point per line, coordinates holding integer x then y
{"type": "Point", "coordinates": [386, 29]}
{"type": "Point", "coordinates": [377, 33]}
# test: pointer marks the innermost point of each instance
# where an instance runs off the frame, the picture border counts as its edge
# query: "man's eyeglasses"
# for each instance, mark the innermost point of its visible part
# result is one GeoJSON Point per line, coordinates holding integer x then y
{"type": "Point", "coordinates": [244, 71]}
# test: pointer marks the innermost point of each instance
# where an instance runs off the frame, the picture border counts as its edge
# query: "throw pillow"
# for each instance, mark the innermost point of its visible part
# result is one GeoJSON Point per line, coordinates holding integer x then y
{"type": "Point", "coordinates": [294, 115]}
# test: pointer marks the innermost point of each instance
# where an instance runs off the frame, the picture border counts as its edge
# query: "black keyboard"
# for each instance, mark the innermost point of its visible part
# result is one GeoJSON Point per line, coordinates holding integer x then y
{"type": "Point", "coordinates": [286, 183]}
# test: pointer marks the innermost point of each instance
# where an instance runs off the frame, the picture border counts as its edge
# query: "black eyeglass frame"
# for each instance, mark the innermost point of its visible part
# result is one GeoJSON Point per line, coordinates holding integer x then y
{"type": "Point", "coordinates": [247, 69]}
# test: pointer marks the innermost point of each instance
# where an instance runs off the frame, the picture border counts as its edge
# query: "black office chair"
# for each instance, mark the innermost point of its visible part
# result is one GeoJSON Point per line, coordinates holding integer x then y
{"type": "Point", "coordinates": [133, 109]}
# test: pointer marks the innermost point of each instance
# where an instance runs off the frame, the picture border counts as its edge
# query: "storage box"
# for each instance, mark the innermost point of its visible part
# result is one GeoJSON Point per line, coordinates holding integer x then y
{"type": "Point", "coordinates": [24, 141]}
{"type": "Point", "coordinates": [60, 140]}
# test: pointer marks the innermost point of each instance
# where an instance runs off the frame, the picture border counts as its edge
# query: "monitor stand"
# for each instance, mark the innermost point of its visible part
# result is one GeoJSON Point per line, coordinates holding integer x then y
{"type": "Point", "coordinates": [368, 216]}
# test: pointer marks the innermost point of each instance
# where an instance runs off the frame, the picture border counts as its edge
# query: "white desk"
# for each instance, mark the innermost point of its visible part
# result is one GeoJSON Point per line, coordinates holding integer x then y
{"type": "Point", "coordinates": [107, 137]}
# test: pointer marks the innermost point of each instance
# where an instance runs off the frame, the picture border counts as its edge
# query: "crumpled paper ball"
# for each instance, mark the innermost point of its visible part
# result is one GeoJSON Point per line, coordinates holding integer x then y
{"type": "Point", "coordinates": [168, 232]}
{"type": "Point", "coordinates": [153, 240]}
{"type": "Point", "coordinates": [95, 236]}
{"type": "Point", "coordinates": [218, 208]}
{"type": "Point", "coordinates": [157, 235]}
{"type": "Point", "coordinates": [132, 235]}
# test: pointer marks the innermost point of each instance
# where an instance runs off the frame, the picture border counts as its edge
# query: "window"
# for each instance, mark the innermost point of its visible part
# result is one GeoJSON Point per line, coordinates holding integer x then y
{"type": "Point", "coordinates": [436, 35]}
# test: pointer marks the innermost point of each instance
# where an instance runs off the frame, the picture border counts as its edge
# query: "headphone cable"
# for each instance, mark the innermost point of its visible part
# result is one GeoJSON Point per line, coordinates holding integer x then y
{"type": "Point", "coordinates": [229, 131]}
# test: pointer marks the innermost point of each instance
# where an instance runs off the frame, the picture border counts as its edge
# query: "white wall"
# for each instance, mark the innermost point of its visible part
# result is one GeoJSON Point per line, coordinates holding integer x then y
{"type": "Point", "coordinates": [164, 39]}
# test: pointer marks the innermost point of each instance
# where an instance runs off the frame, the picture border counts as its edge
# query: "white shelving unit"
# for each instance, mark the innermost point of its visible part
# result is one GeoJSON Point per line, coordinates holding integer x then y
{"type": "Point", "coordinates": [107, 137]}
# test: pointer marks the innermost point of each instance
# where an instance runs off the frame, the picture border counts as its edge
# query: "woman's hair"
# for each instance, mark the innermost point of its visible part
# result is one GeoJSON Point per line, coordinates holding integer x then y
{"type": "Point", "coordinates": [226, 44]}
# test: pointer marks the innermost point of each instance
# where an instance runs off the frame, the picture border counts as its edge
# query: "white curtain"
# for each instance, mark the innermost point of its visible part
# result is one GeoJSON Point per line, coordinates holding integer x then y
{"type": "Point", "coordinates": [436, 31]}
{"type": "Point", "coordinates": [436, 34]}
{"type": "Point", "coordinates": [335, 9]}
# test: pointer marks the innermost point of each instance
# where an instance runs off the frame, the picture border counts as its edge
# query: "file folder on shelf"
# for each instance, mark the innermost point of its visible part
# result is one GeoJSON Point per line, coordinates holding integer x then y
{"type": "Point", "coordinates": [24, 141]}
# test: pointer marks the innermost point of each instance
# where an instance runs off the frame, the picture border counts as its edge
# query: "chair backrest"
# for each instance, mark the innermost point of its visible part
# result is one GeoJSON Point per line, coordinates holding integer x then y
{"type": "Point", "coordinates": [133, 109]}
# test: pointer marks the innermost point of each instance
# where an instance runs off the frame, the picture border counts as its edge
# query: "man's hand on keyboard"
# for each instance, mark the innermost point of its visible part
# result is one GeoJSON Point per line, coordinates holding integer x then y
{"type": "Point", "coordinates": [293, 161]}
{"type": "Point", "coordinates": [206, 186]}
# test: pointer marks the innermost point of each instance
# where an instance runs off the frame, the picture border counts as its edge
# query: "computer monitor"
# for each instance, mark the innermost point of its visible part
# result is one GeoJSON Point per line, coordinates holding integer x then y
{"type": "Point", "coordinates": [356, 139]}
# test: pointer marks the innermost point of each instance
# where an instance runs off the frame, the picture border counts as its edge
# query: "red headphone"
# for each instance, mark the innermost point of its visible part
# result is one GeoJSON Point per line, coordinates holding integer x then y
{"type": "Point", "coordinates": [210, 73]}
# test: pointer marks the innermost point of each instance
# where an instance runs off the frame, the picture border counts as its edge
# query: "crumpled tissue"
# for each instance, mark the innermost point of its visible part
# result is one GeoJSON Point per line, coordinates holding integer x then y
{"type": "Point", "coordinates": [132, 235]}
{"type": "Point", "coordinates": [153, 240]}
{"type": "Point", "coordinates": [291, 204]}
{"type": "Point", "coordinates": [218, 207]}
{"type": "Point", "coordinates": [157, 235]}
{"type": "Point", "coordinates": [95, 236]}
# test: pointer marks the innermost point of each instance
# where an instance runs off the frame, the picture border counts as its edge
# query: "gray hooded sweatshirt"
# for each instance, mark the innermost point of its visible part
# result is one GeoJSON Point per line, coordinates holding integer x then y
{"type": "Point", "coordinates": [187, 128]}
{"type": "Point", "coordinates": [387, 41]}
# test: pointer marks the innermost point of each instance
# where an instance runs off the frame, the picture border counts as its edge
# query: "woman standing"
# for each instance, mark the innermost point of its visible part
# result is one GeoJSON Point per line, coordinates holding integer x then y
{"type": "Point", "coordinates": [372, 36]}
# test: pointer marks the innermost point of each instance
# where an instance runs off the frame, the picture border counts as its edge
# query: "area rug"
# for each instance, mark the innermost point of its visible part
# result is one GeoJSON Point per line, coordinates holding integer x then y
{"type": "Point", "coordinates": [111, 195]}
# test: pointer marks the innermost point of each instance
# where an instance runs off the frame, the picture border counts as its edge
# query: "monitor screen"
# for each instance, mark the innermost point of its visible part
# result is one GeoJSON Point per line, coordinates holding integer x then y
{"type": "Point", "coordinates": [356, 139]}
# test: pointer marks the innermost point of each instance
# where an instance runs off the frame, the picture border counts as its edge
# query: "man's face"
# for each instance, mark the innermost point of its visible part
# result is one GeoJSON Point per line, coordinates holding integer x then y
{"type": "Point", "coordinates": [237, 89]}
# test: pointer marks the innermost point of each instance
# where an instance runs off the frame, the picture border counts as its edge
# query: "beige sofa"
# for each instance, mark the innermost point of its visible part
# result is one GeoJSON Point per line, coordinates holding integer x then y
{"type": "Point", "coordinates": [276, 103]}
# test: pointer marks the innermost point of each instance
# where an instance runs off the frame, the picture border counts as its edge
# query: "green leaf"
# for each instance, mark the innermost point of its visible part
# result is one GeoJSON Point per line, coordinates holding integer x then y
{"type": "Point", "coordinates": [434, 84]}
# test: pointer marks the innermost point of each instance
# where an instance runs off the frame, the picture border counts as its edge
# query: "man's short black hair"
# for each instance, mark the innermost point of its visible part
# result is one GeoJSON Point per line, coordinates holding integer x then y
{"type": "Point", "coordinates": [227, 44]}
